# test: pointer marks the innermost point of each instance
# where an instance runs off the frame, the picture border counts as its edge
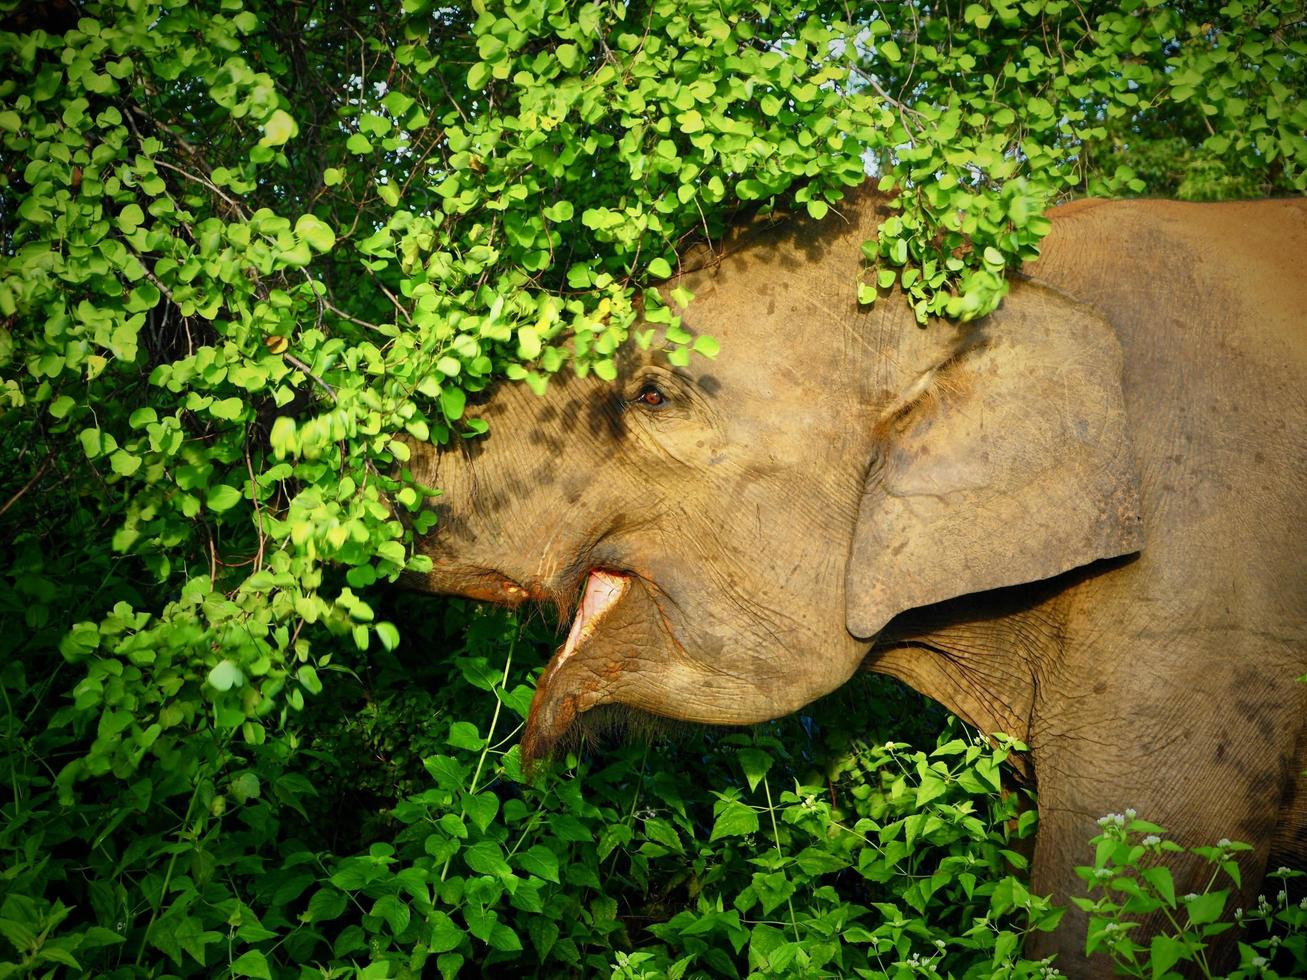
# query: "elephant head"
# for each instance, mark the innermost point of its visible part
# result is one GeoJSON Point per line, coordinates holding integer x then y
{"type": "Point", "coordinates": [733, 534]}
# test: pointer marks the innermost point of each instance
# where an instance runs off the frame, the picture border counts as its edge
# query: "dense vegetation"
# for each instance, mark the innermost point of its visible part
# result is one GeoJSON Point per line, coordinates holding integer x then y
{"type": "Point", "coordinates": [246, 248]}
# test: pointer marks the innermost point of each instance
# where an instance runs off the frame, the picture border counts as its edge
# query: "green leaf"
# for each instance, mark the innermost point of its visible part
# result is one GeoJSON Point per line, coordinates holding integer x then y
{"type": "Point", "coordinates": [487, 858]}
{"type": "Point", "coordinates": [317, 233]}
{"type": "Point", "coordinates": [124, 463]}
{"type": "Point", "coordinates": [1206, 907]}
{"type": "Point", "coordinates": [452, 403]}
{"type": "Point", "coordinates": [225, 676]}
{"type": "Point", "coordinates": [755, 763]}
{"type": "Point", "coordinates": [222, 497]}
{"type": "Point", "coordinates": [660, 269]}
{"type": "Point", "coordinates": [279, 127]}
{"type": "Point", "coordinates": [308, 677]}
{"type": "Point", "coordinates": [1162, 882]}
{"type": "Point", "coordinates": [706, 345]}
{"type": "Point", "coordinates": [560, 211]}
{"type": "Point", "coordinates": [251, 963]}
{"type": "Point", "coordinates": [130, 218]}
{"type": "Point", "coordinates": [504, 939]}
{"type": "Point", "coordinates": [394, 911]}
{"type": "Point", "coordinates": [229, 409]}
{"type": "Point", "coordinates": [91, 442]}
{"type": "Point", "coordinates": [464, 735]}
{"type": "Point", "coordinates": [478, 75]}
{"type": "Point", "coordinates": [326, 904]}
{"type": "Point", "coordinates": [1164, 953]}
{"type": "Point", "coordinates": [540, 861]}
{"type": "Point", "coordinates": [734, 819]}
{"type": "Point", "coordinates": [388, 635]}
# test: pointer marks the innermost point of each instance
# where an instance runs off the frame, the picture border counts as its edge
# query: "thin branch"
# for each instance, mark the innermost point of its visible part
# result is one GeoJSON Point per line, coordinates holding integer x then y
{"type": "Point", "coordinates": [312, 377]}
{"type": "Point", "coordinates": [258, 512]}
{"type": "Point", "coordinates": [875, 84]}
{"type": "Point", "coordinates": [391, 296]}
{"type": "Point", "coordinates": [29, 484]}
{"type": "Point", "coordinates": [352, 319]}
{"type": "Point", "coordinates": [203, 182]}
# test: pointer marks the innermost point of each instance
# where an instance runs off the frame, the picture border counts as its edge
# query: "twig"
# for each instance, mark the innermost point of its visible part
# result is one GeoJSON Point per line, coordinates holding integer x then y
{"type": "Point", "coordinates": [29, 484]}
{"type": "Point", "coordinates": [875, 84]}
{"type": "Point", "coordinates": [313, 377]}
{"type": "Point", "coordinates": [391, 296]}
{"type": "Point", "coordinates": [213, 559]}
{"type": "Point", "coordinates": [203, 183]}
{"type": "Point", "coordinates": [258, 513]}
{"type": "Point", "coordinates": [352, 319]}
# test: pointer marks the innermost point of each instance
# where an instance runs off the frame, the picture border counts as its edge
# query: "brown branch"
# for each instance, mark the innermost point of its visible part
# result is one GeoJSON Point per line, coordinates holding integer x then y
{"type": "Point", "coordinates": [203, 182]}
{"type": "Point", "coordinates": [29, 484]}
{"type": "Point", "coordinates": [345, 316]}
{"type": "Point", "coordinates": [258, 512]}
{"type": "Point", "coordinates": [312, 377]}
{"type": "Point", "coordinates": [391, 296]}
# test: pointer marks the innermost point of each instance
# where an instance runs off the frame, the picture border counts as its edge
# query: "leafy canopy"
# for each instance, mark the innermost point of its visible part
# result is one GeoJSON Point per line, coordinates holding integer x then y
{"type": "Point", "coordinates": [250, 251]}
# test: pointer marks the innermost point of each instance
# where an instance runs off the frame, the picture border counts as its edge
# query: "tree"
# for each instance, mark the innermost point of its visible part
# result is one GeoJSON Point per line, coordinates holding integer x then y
{"type": "Point", "coordinates": [248, 250]}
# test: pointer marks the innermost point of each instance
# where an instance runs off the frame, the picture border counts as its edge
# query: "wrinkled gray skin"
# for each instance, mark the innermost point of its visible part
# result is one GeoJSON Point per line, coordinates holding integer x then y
{"type": "Point", "coordinates": [1079, 522]}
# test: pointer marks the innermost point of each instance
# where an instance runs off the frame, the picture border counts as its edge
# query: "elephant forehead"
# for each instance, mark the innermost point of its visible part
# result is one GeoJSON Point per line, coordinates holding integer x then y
{"type": "Point", "coordinates": [770, 332]}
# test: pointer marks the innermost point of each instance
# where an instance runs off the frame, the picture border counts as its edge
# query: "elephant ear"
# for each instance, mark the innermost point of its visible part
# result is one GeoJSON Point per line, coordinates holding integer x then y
{"type": "Point", "coordinates": [1014, 465]}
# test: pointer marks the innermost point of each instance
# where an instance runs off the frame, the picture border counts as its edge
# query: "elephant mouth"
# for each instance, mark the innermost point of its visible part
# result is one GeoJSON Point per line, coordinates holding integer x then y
{"type": "Point", "coordinates": [615, 611]}
{"type": "Point", "coordinates": [603, 590]}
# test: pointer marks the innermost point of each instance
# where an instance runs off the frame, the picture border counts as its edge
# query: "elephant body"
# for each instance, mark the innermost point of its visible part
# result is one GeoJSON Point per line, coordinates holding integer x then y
{"type": "Point", "coordinates": [1078, 522]}
{"type": "Point", "coordinates": [1166, 683]}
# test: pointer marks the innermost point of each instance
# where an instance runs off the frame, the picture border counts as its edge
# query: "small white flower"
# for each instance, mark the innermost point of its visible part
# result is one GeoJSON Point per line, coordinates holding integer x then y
{"type": "Point", "coordinates": [939, 943]}
{"type": "Point", "coordinates": [1130, 813]}
{"type": "Point", "coordinates": [1151, 840]}
{"type": "Point", "coordinates": [1103, 873]}
{"type": "Point", "coordinates": [1260, 961]}
{"type": "Point", "coordinates": [1112, 927]}
{"type": "Point", "coordinates": [1223, 842]}
{"type": "Point", "coordinates": [1191, 897]}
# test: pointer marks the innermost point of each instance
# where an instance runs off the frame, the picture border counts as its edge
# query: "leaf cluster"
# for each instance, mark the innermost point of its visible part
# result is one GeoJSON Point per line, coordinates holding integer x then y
{"type": "Point", "coordinates": [1131, 872]}
{"type": "Point", "coordinates": [252, 253]}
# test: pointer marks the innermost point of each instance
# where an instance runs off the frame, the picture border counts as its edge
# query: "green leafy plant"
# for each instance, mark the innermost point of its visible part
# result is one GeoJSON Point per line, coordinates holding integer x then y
{"type": "Point", "coordinates": [1135, 883]}
{"type": "Point", "coordinates": [250, 252]}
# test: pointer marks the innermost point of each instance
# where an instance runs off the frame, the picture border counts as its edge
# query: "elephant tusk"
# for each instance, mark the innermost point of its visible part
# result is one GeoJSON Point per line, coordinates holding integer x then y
{"type": "Point", "coordinates": [602, 592]}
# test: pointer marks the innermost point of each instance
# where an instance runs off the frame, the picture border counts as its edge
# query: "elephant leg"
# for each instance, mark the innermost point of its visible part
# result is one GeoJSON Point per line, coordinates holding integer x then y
{"type": "Point", "coordinates": [1205, 763]}
{"type": "Point", "coordinates": [1289, 845]}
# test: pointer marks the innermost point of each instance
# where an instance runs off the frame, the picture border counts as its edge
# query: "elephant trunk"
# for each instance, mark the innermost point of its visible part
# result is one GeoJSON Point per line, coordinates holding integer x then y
{"type": "Point", "coordinates": [466, 545]}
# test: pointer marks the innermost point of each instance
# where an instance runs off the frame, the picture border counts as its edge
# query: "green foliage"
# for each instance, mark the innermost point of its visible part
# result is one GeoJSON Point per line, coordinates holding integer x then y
{"type": "Point", "coordinates": [1129, 869]}
{"type": "Point", "coordinates": [1001, 107]}
{"type": "Point", "coordinates": [399, 838]}
{"type": "Point", "coordinates": [251, 254]}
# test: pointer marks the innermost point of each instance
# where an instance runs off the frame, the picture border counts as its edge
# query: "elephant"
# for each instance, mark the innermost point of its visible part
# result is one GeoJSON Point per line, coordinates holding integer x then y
{"type": "Point", "coordinates": [1077, 521]}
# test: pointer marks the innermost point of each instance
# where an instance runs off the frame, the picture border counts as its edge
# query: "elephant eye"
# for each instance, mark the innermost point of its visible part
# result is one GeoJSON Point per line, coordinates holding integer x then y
{"type": "Point", "coordinates": [652, 396]}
